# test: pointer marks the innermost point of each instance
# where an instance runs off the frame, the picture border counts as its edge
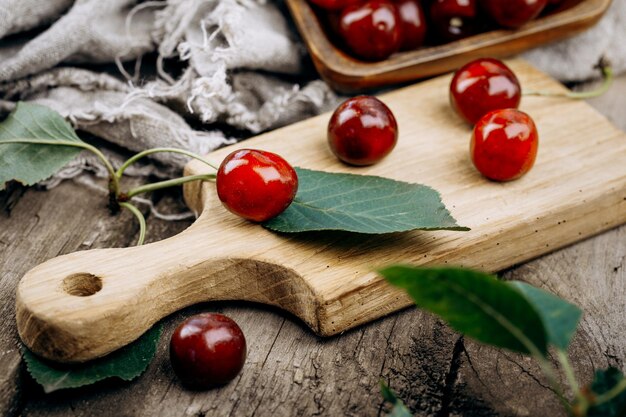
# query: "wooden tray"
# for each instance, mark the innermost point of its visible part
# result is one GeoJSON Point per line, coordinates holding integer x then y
{"type": "Point", "coordinates": [347, 74]}
{"type": "Point", "coordinates": [86, 304]}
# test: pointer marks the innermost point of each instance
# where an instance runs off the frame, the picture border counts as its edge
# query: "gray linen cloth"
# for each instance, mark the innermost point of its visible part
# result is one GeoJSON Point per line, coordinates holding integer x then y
{"type": "Point", "coordinates": [241, 66]}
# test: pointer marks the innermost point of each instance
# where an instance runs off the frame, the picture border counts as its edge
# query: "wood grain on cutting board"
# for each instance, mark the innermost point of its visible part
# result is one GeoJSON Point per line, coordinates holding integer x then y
{"type": "Point", "coordinates": [577, 188]}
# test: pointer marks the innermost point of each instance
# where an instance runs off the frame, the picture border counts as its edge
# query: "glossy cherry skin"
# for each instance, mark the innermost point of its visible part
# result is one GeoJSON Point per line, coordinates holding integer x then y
{"type": "Point", "coordinates": [334, 5]}
{"type": "Point", "coordinates": [453, 19]}
{"type": "Point", "coordinates": [504, 144]}
{"type": "Point", "coordinates": [412, 24]}
{"type": "Point", "coordinates": [362, 131]}
{"type": "Point", "coordinates": [207, 350]}
{"type": "Point", "coordinates": [256, 185]}
{"type": "Point", "coordinates": [481, 86]}
{"type": "Point", "coordinates": [513, 13]}
{"type": "Point", "coordinates": [371, 31]}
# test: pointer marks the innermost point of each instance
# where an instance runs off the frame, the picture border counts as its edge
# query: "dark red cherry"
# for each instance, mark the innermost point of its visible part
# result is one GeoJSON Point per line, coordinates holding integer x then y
{"type": "Point", "coordinates": [334, 5]}
{"type": "Point", "coordinates": [481, 86]}
{"type": "Point", "coordinates": [207, 350]}
{"type": "Point", "coordinates": [513, 13]}
{"type": "Point", "coordinates": [371, 30]}
{"type": "Point", "coordinates": [362, 131]}
{"type": "Point", "coordinates": [453, 19]}
{"type": "Point", "coordinates": [412, 24]}
{"type": "Point", "coordinates": [332, 21]}
{"type": "Point", "coordinates": [256, 185]}
{"type": "Point", "coordinates": [504, 144]}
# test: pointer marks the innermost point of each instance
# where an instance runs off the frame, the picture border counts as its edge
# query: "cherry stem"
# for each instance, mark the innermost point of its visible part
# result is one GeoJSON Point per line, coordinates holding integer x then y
{"type": "Point", "coordinates": [169, 183]}
{"type": "Point", "coordinates": [544, 364]}
{"type": "Point", "coordinates": [140, 218]}
{"type": "Point", "coordinates": [114, 186]}
{"type": "Point", "coordinates": [581, 401]}
{"type": "Point", "coordinates": [607, 76]}
{"type": "Point", "coordinates": [145, 153]}
{"type": "Point", "coordinates": [548, 371]}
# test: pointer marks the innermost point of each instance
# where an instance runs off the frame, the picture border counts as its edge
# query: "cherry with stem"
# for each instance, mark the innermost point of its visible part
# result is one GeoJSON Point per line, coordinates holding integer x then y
{"type": "Point", "coordinates": [117, 198]}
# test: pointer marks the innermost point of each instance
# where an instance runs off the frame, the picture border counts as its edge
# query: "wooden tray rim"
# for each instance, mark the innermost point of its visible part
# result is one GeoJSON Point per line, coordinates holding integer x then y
{"type": "Point", "coordinates": [329, 58]}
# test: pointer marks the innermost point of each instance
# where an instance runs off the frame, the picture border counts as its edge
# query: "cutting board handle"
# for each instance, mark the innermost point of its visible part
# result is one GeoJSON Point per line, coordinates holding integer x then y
{"type": "Point", "coordinates": [84, 305]}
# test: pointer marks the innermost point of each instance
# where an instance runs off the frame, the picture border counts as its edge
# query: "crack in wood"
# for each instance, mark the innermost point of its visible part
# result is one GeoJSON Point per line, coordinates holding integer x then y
{"type": "Point", "coordinates": [451, 377]}
{"type": "Point", "coordinates": [527, 372]}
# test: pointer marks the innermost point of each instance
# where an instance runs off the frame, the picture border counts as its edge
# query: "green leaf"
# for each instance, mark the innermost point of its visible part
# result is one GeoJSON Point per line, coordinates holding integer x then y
{"type": "Point", "coordinates": [476, 304]}
{"type": "Point", "coordinates": [399, 409]}
{"type": "Point", "coordinates": [126, 363]}
{"type": "Point", "coordinates": [605, 381]}
{"type": "Point", "coordinates": [560, 318]}
{"type": "Point", "coordinates": [361, 204]}
{"type": "Point", "coordinates": [30, 163]}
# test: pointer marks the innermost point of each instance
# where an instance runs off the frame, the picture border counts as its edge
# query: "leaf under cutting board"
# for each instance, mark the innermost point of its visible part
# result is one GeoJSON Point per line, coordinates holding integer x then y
{"type": "Point", "coordinates": [29, 163]}
{"type": "Point", "coordinates": [362, 204]}
{"type": "Point", "coordinates": [126, 363]}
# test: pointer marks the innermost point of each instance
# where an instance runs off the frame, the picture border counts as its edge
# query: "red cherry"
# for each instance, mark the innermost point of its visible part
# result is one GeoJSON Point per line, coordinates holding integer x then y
{"type": "Point", "coordinates": [334, 5]}
{"type": "Point", "coordinates": [412, 24]}
{"type": "Point", "coordinates": [371, 30]}
{"type": "Point", "coordinates": [454, 19]}
{"type": "Point", "coordinates": [513, 13]}
{"type": "Point", "coordinates": [256, 185]}
{"type": "Point", "coordinates": [207, 350]}
{"type": "Point", "coordinates": [362, 131]}
{"type": "Point", "coordinates": [504, 144]}
{"type": "Point", "coordinates": [484, 85]}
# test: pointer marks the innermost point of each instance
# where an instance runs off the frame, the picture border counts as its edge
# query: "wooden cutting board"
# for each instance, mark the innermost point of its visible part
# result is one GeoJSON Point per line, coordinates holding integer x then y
{"type": "Point", "coordinates": [87, 304]}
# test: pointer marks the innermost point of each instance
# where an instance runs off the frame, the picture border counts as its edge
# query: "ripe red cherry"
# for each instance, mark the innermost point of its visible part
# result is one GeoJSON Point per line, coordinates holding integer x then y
{"type": "Point", "coordinates": [412, 24]}
{"type": "Point", "coordinates": [256, 185]}
{"type": "Point", "coordinates": [484, 85]}
{"type": "Point", "coordinates": [207, 350]}
{"type": "Point", "coordinates": [362, 131]}
{"type": "Point", "coordinates": [371, 30]}
{"type": "Point", "coordinates": [453, 19]}
{"type": "Point", "coordinates": [504, 144]}
{"type": "Point", "coordinates": [334, 4]}
{"type": "Point", "coordinates": [513, 13]}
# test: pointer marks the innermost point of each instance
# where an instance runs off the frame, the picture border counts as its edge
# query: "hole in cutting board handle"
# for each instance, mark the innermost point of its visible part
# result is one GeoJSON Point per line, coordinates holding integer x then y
{"type": "Point", "coordinates": [82, 285]}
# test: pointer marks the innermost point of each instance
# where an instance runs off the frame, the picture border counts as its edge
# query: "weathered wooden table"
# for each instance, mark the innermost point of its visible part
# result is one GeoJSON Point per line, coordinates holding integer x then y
{"type": "Point", "coordinates": [290, 371]}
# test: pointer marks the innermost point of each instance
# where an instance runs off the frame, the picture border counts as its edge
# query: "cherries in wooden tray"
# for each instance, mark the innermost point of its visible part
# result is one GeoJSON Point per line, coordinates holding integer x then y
{"type": "Point", "coordinates": [513, 13]}
{"type": "Point", "coordinates": [452, 20]}
{"type": "Point", "coordinates": [373, 30]}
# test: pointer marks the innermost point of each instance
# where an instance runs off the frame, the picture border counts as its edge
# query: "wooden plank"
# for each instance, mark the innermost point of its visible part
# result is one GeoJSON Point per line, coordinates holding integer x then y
{"type": "Point", "coordinates": [576, 189]}
{"type": "Point", "coordinates": [289, 371]}
{"type": "Point", "coordinates": [303, 374]}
